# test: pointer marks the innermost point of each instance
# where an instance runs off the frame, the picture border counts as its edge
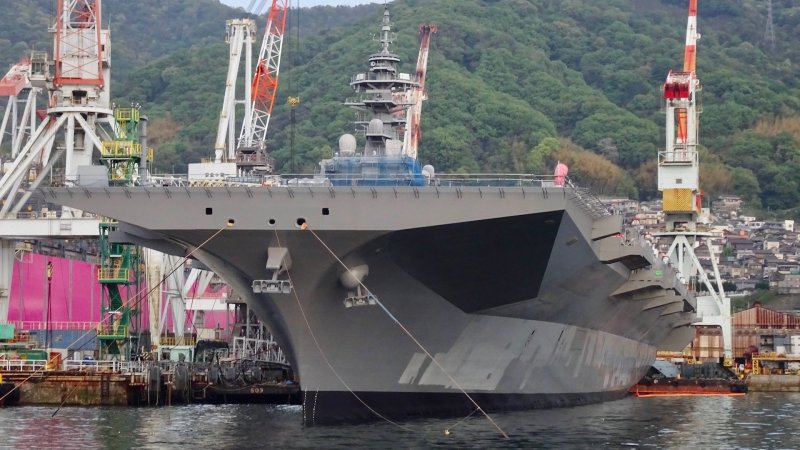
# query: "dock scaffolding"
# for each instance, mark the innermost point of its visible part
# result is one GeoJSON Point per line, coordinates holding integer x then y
{"type": "Point", "coordinates": [118, 273]}
{"type": "Point", "coordinates": [124, 154]}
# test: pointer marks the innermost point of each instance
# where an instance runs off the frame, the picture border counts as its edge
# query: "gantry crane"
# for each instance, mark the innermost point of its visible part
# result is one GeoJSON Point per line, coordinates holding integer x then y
{"type": "Point", "coordinates": [417, 94]}
{"type": "Point", "coordinates": [679, 182]}
{"type": "Point", "coordinates": [78, 93]}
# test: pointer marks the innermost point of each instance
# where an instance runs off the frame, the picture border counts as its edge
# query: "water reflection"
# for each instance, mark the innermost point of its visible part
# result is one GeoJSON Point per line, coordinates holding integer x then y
{"type": "Point", "coordinates": [758, 420]}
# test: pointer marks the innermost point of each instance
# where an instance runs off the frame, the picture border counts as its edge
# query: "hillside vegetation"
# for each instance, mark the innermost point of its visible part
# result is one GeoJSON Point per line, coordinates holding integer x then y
{"type": "Point", "coordinates": [514, 85]}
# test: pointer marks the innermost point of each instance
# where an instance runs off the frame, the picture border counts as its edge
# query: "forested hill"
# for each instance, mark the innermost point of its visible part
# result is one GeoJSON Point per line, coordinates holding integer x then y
{"type": "Point", "coordinates": [514, 85]}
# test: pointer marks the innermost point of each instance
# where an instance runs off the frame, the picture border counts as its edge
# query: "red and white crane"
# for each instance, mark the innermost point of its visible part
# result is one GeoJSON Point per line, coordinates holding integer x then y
{"type": "Point", "coordinates": [679, 182]}
{"type": "Point", "coordinates": [678, 164]}
{"type": "Point", "coordinates": [417, 94]}
{"type": "Point", "coordinates": [78, 93]}
{"type": "Point", "coordinates": [251, 154]}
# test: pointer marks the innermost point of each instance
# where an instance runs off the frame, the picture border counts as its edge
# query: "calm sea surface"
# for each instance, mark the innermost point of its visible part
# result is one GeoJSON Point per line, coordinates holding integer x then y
{"type": "Point", "coordinates": [758, 420]}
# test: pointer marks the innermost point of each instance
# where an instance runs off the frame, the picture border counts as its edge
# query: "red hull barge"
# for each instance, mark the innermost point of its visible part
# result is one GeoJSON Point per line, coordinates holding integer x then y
{"type": "Point", "coordinates": [688, 387]}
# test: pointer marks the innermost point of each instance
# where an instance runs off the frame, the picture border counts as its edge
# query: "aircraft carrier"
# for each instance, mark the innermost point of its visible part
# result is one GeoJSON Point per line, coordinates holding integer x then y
{"type": "Point", "coordinates": [525, 290]}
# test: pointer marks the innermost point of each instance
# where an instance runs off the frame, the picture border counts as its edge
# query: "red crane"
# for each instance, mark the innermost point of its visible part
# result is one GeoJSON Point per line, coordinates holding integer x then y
{"type": "Point", "coordinates": [418, 94]}
{"type": "Point", "coordinates": [251, 147]}
{"type": "Point", "coordinates": [78, 53]}
{"type": "Point", "coordinates": [678, 84]}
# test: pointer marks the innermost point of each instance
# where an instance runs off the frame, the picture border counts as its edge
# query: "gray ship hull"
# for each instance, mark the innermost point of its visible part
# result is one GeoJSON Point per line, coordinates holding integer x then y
{"type": "Point", "coordinates": [525, 296]}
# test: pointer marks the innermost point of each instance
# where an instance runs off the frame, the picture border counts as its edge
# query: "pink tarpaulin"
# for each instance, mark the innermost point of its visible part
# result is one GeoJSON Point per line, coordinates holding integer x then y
{"type": "Point", "coordinates": [79, 301]}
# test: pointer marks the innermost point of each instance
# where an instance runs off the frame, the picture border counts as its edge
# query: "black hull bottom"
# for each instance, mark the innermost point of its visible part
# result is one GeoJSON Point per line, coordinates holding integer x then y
{"type": "Point", "coordinates": [254, 394]}
{"type": "Point", "coordinates": [334, 408]}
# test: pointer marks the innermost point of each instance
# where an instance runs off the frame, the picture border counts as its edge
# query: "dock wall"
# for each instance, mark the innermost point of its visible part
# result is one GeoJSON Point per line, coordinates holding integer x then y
{"type": "Point", "coordinates": [774, 383]}
{"type": "Point", "coordinates": [76, 390]}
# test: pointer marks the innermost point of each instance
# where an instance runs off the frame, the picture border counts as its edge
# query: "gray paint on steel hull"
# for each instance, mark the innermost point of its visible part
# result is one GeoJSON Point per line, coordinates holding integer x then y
{"type": "Point", "coordinates": [566, 336]}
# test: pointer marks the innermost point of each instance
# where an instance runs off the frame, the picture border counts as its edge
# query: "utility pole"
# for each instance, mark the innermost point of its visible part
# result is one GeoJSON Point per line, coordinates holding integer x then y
{"type": "Point", "coordinates": [294, 102]}
{"type": "Point", "coordinates": [49, 304]}
{"type": "Point", "coordinates": [769, 33]}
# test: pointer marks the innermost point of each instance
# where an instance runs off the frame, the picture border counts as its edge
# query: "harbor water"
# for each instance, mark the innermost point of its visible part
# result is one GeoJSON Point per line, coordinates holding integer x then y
{"type": "Point", "coordinates": [754, 421]}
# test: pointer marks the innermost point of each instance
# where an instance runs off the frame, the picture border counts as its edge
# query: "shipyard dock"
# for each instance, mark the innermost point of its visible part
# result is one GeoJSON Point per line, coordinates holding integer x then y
{"type": "Point", "coordinates": [111, 383]}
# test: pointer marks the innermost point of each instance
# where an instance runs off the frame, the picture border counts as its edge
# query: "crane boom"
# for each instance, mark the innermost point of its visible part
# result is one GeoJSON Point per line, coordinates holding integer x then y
{"type": "Point", "coordinates": [16, 79]}
{"type": "Point", "coordinates": [417, 94]}
{"type": "Point", "coordinates": [239, 34]}
{"type": "Point", "coordinates": [251, 148]}
{"type": "Point", "coordinates": [689, 66]}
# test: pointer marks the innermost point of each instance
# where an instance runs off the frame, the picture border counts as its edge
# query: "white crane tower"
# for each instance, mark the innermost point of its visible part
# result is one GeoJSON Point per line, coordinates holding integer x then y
{"type": "Point", "coordinates": [239, 34]}
{"type": "Point", "coordinates": [679, 182]}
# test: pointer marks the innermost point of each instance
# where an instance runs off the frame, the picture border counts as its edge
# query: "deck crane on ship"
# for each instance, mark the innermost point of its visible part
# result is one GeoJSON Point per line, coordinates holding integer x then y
{"type": "Point", "coordinates": [679, 182]}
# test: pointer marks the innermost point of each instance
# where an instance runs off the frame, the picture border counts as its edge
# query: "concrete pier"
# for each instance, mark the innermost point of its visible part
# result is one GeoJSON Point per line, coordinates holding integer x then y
{"type": "Point", "coordinates": [110, 383]}
{"type": "Point", "coordinates": [774, 383]}
{"type": "Point", "coordinates": [75, 389]}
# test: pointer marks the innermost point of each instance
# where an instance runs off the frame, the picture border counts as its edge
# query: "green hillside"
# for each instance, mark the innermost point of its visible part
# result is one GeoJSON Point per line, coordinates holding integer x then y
{"type": "Point", "coordinates": [514, 85]}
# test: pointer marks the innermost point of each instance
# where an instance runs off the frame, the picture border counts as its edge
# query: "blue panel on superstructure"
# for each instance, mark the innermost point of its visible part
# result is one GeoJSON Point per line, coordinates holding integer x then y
{"type": "Point", "coordinates": [374, 171]}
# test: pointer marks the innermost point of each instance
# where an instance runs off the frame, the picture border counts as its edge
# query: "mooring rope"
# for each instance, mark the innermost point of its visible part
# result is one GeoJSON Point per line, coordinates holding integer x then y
{"type": "Point", "coordinates": [410, 335]}
{"type": "Point", "coordinates": [327, 361]}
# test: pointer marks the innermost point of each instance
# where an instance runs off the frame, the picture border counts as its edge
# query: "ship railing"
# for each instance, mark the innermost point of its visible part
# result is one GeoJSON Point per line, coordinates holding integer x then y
{"type": "Point", "coordinates": [169, 180]}
{"type": "Point", "coordinates": [587, 201]}
{"type": "Point", "coordinates": [584, 198]}
{"type": "Point", "coordinates": [257, 349]}
{"type": "Point", "coordinates": [23, 365]}
{"type": "Point", "coordinates": [58, 326]}
{"type": "Point", "coordinates": [47, 214]}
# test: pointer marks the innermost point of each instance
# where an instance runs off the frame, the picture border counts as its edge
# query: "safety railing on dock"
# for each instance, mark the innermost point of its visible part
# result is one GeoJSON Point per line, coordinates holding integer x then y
{"type": "Point", "coordinates": [104, 366]}
{"type": "Point", "coordinates": [31, 325]}
{"type": "Point", "coordinates": [27, 365]}
{"type": "Point", "coordinates": [169, 341]}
